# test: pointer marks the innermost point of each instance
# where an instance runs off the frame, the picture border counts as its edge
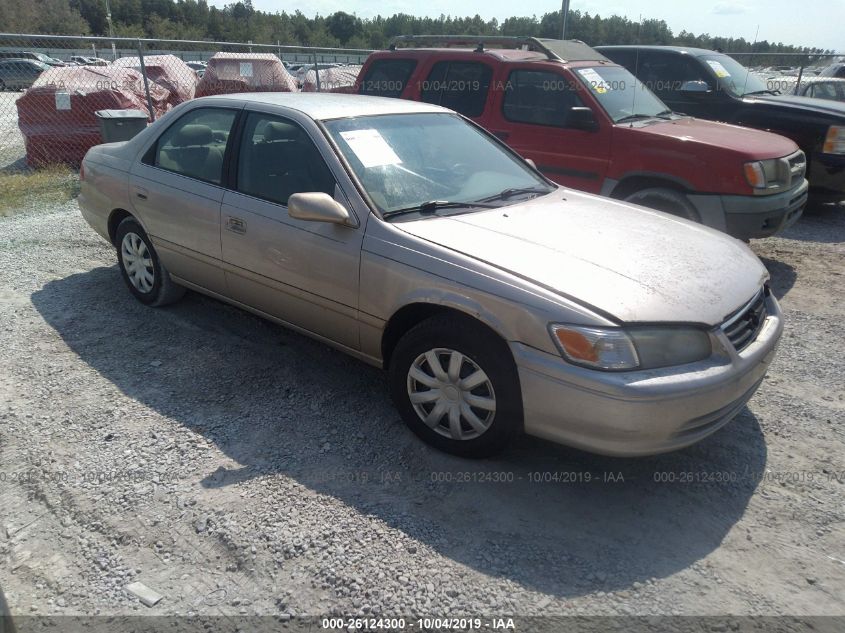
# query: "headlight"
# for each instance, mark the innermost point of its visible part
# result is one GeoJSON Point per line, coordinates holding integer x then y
{"type": "Point", "coordinates": [645, 347]}
{"type": "Point", "coordinates": [766, 174]}
{"type": "Point", "coordinates": [834, 142]}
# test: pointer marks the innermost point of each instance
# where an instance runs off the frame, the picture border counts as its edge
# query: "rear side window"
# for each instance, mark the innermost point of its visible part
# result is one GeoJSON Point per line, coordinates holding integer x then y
{"type": "Point", "coordinates": [194, 146]}
{"type": "Point", "coordinates": [460, 86]}
{"type": "Point", "coordinates": [387, 77]}
{"type": "Point", "coordinates": [541, 98]}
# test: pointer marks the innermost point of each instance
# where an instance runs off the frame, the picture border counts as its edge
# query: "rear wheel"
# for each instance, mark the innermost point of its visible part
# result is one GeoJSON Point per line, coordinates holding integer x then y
{"type": "Point", "coordinates": [666, 200]}
{"type": "Point", "coordinates": [455, 384]}
{"type": "Point", "coordinates": [140, 267]}
{"type": "Point", "coordinates": [2, 85]}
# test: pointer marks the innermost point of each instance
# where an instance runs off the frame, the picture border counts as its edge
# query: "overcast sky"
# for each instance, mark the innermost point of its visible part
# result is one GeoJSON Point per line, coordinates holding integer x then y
{"type": "Point", "coordinates": [804, 22]}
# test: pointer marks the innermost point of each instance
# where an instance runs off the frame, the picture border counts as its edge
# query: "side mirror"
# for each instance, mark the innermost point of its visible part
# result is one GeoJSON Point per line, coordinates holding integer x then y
{"type": "Point", "coordinates": [695, 87]}
{"type": "Point", "coordinates": [582, 118]}
{"type": "Point", "coordinates": [317, 207]}
{"type": "Point", "coordinates": [531, 163]}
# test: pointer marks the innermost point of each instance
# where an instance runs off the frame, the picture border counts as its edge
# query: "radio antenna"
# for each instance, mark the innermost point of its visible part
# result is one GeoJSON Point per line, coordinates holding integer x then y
{"type": "Point", "coordinates": [747, 70]}
{"type": "Point", "coordinates": [636, 69]}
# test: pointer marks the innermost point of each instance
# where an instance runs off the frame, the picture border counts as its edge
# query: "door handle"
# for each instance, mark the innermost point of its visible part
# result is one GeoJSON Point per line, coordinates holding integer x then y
{"type": "Point", "coordinates": [236, 225]}
{"type": "Point", "coordinates": [141, 193]}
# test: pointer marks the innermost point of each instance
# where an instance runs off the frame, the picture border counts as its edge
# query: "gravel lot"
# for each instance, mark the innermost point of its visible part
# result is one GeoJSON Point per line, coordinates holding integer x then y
{"type": "Point", "coordinates": [237, 468]}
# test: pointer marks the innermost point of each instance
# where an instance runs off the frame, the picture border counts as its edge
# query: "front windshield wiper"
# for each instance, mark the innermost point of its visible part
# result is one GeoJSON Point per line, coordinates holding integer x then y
{"type": "Point", "coordinates": [665, 114]}
{"type": "Point", "coordinates": [514, 191]}
{"type": "Point", "coordinates": [762, 92]}
{"type": "Point", "coordinates": [433, 205]}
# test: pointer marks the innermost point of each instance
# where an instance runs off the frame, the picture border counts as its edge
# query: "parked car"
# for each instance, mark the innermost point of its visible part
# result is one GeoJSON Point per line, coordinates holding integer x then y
{"type": "Point", "coordinates": [82, 60]}
{"type": "Point", "coordinates": [413, 239]}
{"type": "Point", "coordinates": [829, 88]}
{"type": "Point", "coordinates": [19, 74]}
{"type": "Point", "coordinates": [715, 86]}
{"type": "Point", "coordinates": [39, 57]}
{"type": "Point", "coordinates": [57, 116]}
{"type": "Point", "coordinates": [229, 73]}
{"type": "Point", "coordinates": [197, 65]}
{"type": "Point", "coordinates": [169, 72]}
{"type": "Point", "coordinates": [587, 123]}
{"type": "Point", "coordinates": [834, 70]}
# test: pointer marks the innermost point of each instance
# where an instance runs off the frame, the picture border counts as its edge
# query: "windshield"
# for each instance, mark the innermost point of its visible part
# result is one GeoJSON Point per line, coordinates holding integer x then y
{"type": "Point", "coordinates": [620, 93]}
{"type": "Point", "coordinates": [733, 77]}
{"type": "Point", "coordinates": [407, 160]}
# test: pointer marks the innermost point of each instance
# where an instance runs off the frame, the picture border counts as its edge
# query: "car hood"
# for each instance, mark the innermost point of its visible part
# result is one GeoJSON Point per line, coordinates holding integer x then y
{"type": "Point", "coordinates": [755, 144]}
{"type": "Point", "coordinates": [803, 103]}
{"type": "Point", "coordinates": [628, 262]}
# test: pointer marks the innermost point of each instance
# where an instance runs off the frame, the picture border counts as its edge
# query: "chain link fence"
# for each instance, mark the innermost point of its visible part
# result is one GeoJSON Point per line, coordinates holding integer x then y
{"type": "Point", "coordinates": [51, 87]}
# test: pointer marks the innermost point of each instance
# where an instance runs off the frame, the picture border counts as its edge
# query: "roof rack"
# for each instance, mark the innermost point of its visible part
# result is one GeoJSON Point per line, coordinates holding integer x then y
{"type": "Point", "coordinates": [557, 50]}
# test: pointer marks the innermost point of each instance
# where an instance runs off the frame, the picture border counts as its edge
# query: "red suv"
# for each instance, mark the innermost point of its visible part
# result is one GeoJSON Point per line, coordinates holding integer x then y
{"type": "Point", "coordinates": [589, 124]}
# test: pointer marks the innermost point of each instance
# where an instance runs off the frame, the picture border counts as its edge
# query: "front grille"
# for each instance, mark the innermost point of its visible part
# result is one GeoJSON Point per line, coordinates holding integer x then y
{"type": "Point", "coordinates": [743, 326]}
{"type": "Point", "coordinates": [797, 168]}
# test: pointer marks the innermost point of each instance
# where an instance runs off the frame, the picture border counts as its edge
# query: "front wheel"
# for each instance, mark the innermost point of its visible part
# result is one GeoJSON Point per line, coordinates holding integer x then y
{"type": "Point", "coordinates": [140, 267]}
{"type": "Point", "coordinates": [455, 385]}
{"type": "Point", "coordinates": [666, 200]}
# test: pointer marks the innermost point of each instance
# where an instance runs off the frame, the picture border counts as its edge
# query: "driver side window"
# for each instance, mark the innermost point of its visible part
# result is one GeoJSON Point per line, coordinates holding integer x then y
{"type": "Point", "coordinates": [278, 159]}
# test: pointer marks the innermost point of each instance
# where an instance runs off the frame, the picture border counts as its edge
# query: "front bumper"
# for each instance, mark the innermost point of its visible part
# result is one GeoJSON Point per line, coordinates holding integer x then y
{"type": "Point", "coordinates": [747, 217]}
{"type": "Point", "coordinates": [643, 412]}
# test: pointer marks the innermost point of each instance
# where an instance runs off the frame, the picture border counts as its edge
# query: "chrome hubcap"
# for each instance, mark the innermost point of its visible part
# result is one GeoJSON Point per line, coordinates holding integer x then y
{"type": "Point", "coordinates": [137, 262]}
{"type": "Point", "coordinates": [451, 394]}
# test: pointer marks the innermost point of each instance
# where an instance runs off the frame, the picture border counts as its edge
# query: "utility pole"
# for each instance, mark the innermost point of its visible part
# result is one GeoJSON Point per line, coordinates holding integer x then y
{"type": "Point", "coordinates": [564, 11]}
{"type": "Point", "coordinates": [111, 31]}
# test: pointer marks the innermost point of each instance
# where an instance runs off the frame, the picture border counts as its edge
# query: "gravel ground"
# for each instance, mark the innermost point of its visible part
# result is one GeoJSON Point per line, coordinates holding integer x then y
{"type": "Point", "coordinates": [235, 467]}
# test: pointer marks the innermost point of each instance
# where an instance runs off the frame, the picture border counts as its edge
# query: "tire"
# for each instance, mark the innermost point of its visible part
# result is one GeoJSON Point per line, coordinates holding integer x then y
{"type": "Point", "coordinates": [148, 279]}
{"type": "Point", "coordinates": [481, 432]}
{"type": "Point", "coordinates": [2, 86]}
{"type": "Point", "coordinates": [666, 200]}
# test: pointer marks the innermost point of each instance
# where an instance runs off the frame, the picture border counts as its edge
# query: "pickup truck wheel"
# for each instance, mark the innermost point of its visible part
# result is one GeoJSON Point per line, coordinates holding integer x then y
{"type": "Point", "coordinates": [140, 267]}
{"type": "Point", "coordinates": [666, 200]}
{"type": "Point", "coordinates": [456, 386]}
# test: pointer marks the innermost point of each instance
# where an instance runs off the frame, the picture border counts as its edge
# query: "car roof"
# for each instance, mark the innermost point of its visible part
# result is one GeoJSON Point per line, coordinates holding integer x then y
{"type": "Point", "coordinates": [326, 105]}
{"type": "Point", "coordinates": [697, 52]}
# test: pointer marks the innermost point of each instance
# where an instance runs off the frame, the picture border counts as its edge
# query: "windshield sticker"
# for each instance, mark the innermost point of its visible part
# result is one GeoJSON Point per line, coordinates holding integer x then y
{"type": "Point", "coordinates": [62, 101]}
{"type": "Point", "coordinates": [721, 71]}
{"type": "Point", "coordinates": [594, 80]}
{"type": "Point", "coordinates": [246, 69]}
{"type": "Point", "coordinates": [370, 148]}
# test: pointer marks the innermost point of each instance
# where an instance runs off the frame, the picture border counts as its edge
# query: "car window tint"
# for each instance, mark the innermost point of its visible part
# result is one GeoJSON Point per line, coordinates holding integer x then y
{"type": "Point", "coordinates": [277, 159]}
{"type": "Point", "coordinates": [195, 144]}
{"type": "Point", "coordinates": [541, 98]}
{"type": "Point", "coordinates": [460, 86]}
{"type": "Point", "coordinates": [666, 74]}
{"type": "Point", "coordinates": [387, 77]}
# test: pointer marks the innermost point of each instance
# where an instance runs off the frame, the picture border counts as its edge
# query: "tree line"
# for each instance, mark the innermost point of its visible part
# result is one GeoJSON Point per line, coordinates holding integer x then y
{"type": "Point", "coordinates": [241, 22]}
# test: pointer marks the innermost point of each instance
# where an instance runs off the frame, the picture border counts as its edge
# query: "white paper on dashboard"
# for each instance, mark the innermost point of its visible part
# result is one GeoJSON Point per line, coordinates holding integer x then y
{"type": "Point", "coordinates": [370, 148]}
{"type": "Point", "coordinates": [721, 71]}
{"type": "Point", "coordinates": [595, 80]}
